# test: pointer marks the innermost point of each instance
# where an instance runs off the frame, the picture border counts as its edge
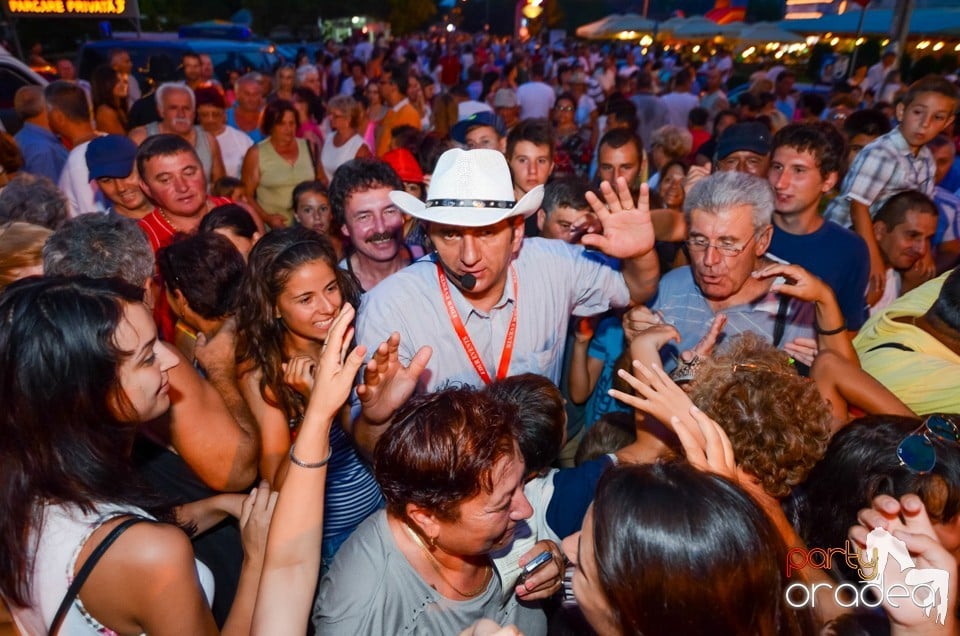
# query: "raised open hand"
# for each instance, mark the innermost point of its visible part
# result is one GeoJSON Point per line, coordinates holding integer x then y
{"type": "Point", "coordinates": [334, 373]}
{"type": "Point", "coordinates": [658, 395]}
{"type": "Point", "coordinates": [627, 228]}
{"type": "Point", "coordinates": [387, 384]}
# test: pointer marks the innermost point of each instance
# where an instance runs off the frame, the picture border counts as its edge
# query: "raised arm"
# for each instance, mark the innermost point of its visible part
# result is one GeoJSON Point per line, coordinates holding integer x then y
{"type": "Point", "coordinates": [293, 548]}
{"type": "Point", "coordinates": [627, 234]}
{"type": "Point", "coordinates": [386, 385]}
{"type": "Point", "coordinates": [830, 325]}
{"type": "Point", "coordinates": [220, 449]}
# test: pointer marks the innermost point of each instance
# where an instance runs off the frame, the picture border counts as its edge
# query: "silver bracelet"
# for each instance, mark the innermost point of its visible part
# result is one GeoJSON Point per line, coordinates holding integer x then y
{"type": "Point", "coordinates": [303, 464]}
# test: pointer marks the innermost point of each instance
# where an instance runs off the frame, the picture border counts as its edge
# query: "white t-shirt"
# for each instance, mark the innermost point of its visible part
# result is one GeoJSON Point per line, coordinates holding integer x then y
{"type": "Point", "coordinates": [234, 144]}
{"type": "Point", "coordinates": [679, 106]}
{"type": "Point", "coordinates": [536, 100]}
{"type": "Point", "coordinates": [891, 291]}
{"type": "Point", "coordinates": [75, 183]}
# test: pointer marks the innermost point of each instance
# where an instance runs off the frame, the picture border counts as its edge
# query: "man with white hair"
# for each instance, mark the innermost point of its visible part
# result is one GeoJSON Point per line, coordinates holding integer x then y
{"type": "Point", "coordinates": [729, 230]}
{"type": "Point", "coordinates": [489, 303]}
{"type": "Point", "coordinates": [177, 108]}
{"type": "Point", "coordinates": [245, 113]}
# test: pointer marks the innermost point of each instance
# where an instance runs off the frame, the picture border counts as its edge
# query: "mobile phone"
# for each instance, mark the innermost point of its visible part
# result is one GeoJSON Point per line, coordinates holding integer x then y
{"type": "Point", "coordinates": [535, 564]}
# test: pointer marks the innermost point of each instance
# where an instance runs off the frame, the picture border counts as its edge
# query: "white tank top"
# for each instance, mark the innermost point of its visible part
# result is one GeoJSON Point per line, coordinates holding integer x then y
{"type": "Point", "coordinates": [332, 157]}
{"type": "Point", "coordinates": [65, 529]}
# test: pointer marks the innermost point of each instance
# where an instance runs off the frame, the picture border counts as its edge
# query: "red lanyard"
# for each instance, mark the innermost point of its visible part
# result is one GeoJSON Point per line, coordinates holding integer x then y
{"type": "Point", "coordinates": [465, 340]}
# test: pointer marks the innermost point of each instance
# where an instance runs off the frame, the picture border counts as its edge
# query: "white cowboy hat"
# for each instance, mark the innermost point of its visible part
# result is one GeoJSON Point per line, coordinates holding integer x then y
{"type": "Point", "coordinates": [470, 188]}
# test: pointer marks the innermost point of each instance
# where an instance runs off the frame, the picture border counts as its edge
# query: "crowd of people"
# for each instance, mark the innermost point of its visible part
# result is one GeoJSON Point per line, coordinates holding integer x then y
{"type": "Point", "coordinates": [474, 336]}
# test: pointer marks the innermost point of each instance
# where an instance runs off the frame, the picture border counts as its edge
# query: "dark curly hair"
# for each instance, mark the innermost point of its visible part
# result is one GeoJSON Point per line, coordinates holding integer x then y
{"type": "Point", "coordinates": [260, 337]}
{"type": "Point", "coordinates": [359, 175]}
{"type": "Point", "coordinates": [777, 421]}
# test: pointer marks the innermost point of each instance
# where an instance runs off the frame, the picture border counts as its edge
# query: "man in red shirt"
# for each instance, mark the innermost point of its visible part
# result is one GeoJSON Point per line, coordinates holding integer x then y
{"type": "Point", "coordinates": [172, 176]}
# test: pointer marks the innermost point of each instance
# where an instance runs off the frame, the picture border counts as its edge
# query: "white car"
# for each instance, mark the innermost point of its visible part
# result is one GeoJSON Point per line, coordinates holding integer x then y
{"type": "Point", "coordinates": [13, 75]}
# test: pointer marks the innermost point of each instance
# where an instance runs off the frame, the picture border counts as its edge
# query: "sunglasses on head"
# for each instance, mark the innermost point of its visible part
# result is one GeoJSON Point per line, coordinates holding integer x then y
{"type": "Point", "coordinates": [917, 451]}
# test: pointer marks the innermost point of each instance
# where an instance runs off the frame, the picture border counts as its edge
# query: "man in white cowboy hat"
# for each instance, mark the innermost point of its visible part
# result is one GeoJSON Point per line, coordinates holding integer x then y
{"type": "Point", "coordinates": [489, 303]}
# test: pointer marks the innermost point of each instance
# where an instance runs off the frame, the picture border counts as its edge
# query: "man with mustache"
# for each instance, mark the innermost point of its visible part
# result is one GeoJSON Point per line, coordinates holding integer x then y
{"type": "Point", "coordinates": [371, 222]}
{"type": "Point", "coordinates": [177, 108]}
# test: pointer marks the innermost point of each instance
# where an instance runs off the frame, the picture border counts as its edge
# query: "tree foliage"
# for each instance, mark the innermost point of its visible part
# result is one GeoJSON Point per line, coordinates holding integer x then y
{"type": "Point", "coordinates": [410, 15]}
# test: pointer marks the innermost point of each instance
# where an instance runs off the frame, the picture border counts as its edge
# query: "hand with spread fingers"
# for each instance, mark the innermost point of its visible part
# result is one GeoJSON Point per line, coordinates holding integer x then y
{"type": "Point", "coordinates": [627, 231]}
{"type": "Point", "coordinates": [658, 395]}
{"type": "Point", "coordinates": [387, 384]}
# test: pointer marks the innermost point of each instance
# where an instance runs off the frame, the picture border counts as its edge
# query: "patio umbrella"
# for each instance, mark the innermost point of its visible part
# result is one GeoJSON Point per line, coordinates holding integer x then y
{"type": "Point", "coordinates": [765, 32]}
{"type": "Point", "coordinates": [700, 28]}
{"type": "Point", "coordinates": [589, 30]}
{"type": "Point", "coordinates": [615, 24]}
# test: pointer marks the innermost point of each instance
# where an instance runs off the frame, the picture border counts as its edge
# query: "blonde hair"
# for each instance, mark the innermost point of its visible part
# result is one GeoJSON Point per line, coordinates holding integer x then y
{"type": "Point", "coordinates": [350, 107]}
{"type": "Point", "coordinates": [21, 245]}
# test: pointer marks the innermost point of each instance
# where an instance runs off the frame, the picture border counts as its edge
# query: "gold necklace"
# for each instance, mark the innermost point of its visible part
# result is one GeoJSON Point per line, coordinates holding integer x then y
{"type": "Point", "coordinates": [439, 568]}
{"type": "Point", "coordinates": [167, 219]}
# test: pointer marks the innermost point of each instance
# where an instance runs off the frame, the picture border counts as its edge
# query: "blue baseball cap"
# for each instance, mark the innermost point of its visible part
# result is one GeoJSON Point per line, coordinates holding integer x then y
{"type": "Point", "coordinates": [462, 127]}
{"type": "Point", "coordinates": [111, 156]}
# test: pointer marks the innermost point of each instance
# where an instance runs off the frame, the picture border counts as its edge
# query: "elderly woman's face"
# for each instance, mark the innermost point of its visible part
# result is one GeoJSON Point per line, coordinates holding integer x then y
{"type": "Point", "coordinates": [212, 118]}
{"type": "Point", "coordinates": [487, 521]}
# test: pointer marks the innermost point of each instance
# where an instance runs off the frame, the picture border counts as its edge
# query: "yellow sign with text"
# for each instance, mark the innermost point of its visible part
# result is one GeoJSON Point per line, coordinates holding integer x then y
{"type": "Point", "coordinates": [72, 8]}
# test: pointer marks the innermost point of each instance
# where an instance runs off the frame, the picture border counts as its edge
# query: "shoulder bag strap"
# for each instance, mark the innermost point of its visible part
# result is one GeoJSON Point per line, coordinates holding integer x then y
{"type": "Point", "coordinates": [781, 324]}
{"type": "Point", "coordinates": [87, 568]}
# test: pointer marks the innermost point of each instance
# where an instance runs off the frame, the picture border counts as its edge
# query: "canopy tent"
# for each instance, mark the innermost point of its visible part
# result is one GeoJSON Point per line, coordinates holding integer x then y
{"type": "Point", "coordinates": [696, 28]}
{"type": "Point", "coordinates": [615, 25]}
{"type": "Point", "coordinates": [767, 32]}
{"type": "Point", "coordinates": [877, 22]}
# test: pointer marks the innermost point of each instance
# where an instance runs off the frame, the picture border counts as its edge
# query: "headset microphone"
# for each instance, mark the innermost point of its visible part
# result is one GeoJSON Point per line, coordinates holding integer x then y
{"type": "Point", "coordinates": [467, 281]}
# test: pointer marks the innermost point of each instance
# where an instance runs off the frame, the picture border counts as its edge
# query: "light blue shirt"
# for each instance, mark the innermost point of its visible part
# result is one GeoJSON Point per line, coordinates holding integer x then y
{"type": "Point", "coordinates": [554, 281]}
{"type": "Point", "coordinates": [683, 305]}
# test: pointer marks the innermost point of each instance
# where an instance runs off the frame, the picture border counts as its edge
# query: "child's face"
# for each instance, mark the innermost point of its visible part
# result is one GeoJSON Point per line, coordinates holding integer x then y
{"type": "Point", "coordinates": [925, 117]}
{"type": "Point", "coordinates": [239, 195]}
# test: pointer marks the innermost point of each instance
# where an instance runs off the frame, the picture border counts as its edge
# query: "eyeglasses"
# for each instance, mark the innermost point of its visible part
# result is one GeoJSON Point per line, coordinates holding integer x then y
{"type": "Point", "coordinates": [564, 109]}
{"type": "Point", "coordinates": [917, 451]}
{"type": "Point", "coordinates": [699, 244]}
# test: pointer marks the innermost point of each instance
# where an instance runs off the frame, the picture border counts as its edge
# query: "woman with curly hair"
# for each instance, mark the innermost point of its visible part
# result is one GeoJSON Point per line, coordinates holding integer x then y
{"type": "Point", "coordinates": [290, 295]}
{"type": "Point", "coordinates": [778, 423]}
{"type": "Point", "coordinates": [108, 90]}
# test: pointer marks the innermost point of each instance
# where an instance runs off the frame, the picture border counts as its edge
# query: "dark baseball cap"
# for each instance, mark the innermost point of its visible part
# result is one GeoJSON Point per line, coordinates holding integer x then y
{"type": "Point", "coordinates": [462, 127]}
{"type": "Point", "coordinates": [753, 136]}
{"type": "Point", "coordinates": [111, 156]}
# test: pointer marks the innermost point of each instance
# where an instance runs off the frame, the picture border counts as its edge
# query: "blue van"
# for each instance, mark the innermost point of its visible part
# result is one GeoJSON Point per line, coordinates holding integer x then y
{"type": "Point", "coordinates": [227, 55]}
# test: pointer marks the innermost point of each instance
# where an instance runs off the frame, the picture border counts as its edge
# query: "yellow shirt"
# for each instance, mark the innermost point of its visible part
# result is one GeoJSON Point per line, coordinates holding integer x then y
{"type": "Point", "coordinates": [278, 178]}
{"type": "Point", "coordinates": [926, 379]}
